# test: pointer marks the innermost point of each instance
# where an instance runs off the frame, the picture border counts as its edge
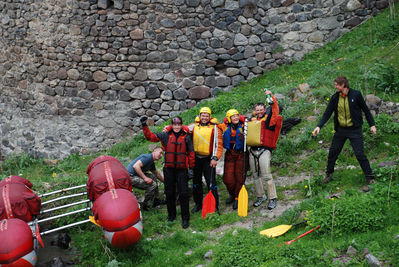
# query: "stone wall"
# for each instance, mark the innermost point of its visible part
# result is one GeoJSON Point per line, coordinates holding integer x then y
{"type": "Point", "coordinates": [75, 76]}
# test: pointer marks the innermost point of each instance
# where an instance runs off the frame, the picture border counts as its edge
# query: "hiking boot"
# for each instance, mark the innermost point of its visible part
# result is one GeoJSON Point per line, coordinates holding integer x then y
{"type": "Point", "coordinates": [196, 209]}
{"type": "Point", "coordinates": [272, 204]}
{"type": "Point", "coordinates": [185, 224]}
{"type": "Point", "coordinates": [370, 179]}
{"type": "Point", "coordinates": [259, 201]}
{"type": "Point", "coordinates": [229, 200]}
{"type": "Point", "coordinates": [235, 204]}
{"type": "Point", "coordinates": [145, 206]}
{"type": "Point", "coordinates": [365, 188]}
{"type": "Point", "coordinates": [158, 202]}
{"type": "Point", "coordinates": [171, 219]}
{"type": "Point", "coordinates": [328, 178]}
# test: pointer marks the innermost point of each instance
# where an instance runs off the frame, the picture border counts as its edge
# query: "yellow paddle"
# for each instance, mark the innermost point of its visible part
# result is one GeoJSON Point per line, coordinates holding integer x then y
{"type": "Point", "coordinates": [278, 230]}
{"type": "Point", "coordinates": [94, 221]}
{"type": "Point", "coordinates": [243, 202]}
{"type": "Point", "coordinates": [243, 195]}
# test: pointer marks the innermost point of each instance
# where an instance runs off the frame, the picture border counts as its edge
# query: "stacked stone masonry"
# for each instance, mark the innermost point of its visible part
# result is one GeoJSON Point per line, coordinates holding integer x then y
{"type": "Point", "coordinates": [75, 76]}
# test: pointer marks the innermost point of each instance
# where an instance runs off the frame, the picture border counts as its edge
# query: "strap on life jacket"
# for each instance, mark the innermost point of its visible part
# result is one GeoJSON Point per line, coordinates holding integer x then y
{"type": "Point", "coordinates": [256, 159]}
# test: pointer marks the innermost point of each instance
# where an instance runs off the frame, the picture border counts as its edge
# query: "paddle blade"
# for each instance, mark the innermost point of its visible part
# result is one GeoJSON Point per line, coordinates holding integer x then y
{"type": "Point", "coordinates": [94, 221]}
{"type": "Point", "coordinates": [276, 231]}
{"type": "Point", "coordinates": [243, 202]}
{"type": "Point", "coordinates": [208, 205]}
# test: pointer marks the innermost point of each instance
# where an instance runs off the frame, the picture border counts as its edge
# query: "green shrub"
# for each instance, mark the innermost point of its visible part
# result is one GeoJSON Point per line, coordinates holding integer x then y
{"type": "Point", "coordinates": [383, 77]}
{"type": "Point", "coordinates": [355, 213]}
{"type": "Point", "coordinates": [389, 32]}
{"type": "Point", "coordinates": [15, 164]}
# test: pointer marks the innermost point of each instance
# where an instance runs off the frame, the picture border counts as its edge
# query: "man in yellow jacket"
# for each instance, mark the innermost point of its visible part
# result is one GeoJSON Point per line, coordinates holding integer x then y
{"type": "Point", "coordinates": [205, 142]}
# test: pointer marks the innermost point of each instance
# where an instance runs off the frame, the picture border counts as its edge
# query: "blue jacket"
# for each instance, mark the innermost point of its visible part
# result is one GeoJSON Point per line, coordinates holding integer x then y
{"type": "Point", "coordinates": [239, 138]}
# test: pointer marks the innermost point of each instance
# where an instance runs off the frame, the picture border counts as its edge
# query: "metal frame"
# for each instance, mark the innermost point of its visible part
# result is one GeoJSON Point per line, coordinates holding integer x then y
{"type": "Point", "coordinates": [56, 208]}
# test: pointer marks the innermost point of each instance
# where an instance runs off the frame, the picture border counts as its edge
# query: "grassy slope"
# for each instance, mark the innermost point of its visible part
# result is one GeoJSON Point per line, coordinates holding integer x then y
{"type": "Point", "coordinates": [355, 55]}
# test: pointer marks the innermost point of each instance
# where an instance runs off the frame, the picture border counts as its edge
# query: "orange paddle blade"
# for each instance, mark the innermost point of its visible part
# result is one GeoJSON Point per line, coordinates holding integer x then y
{"type": "Point", "coordinates": [208, 205]}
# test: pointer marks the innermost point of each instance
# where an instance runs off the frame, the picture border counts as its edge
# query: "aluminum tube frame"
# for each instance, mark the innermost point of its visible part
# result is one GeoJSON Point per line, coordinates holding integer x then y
{"type": "Point", "coordinates": [62, 190]}
{"type": "Point", "coordinates": [64, 227]}
{"type": "Point", "coordinates": [64, 197]}
{"type": "Point", "coordinates": [65, 206]}
{"type": "Point", "coordinates": [60, 216]}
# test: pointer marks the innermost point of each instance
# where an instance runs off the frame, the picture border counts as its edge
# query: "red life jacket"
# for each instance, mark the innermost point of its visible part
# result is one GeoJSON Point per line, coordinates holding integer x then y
{"type": "Point", "coordinates": [176, 155]}
{"type": "Point", "coordinates": [270, 134]}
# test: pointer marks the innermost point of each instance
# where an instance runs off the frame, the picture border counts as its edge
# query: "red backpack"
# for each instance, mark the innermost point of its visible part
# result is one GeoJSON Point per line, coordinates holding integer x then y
{"type": "Point", "coordinates": [18, 201]}
{"type": "Point", "coordinates": [105, 173]}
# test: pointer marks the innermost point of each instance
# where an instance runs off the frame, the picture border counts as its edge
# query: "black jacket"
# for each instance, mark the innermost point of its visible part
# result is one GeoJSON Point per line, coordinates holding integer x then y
{"type": "Point", "coordinates": [356, 106]}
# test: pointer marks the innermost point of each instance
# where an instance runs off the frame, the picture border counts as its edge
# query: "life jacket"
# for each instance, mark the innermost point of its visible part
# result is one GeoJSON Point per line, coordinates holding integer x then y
{"type": "Point", "coordinates": [238, 142]}
{"type": "Point", "coordinates": [203, 137]}
{"type": "Point", "coordinates": [260, 133]}
{"type": "Point", "coordinates": [176, 151]}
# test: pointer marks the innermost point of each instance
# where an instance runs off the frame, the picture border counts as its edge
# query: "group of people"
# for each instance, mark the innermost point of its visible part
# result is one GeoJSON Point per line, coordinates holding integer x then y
{"type": "Point", "coordinates": [193, 151]}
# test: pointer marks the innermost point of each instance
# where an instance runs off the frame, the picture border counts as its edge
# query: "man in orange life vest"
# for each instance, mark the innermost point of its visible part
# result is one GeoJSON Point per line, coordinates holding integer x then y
{"type": "Point", "coordinates": [260, 155]}
{"type": "Point", "coordinates": [233, 142]}
{"type": "Point", "coordinates": [179, 164]}
{"type": "Point", "coordinates": [206, 159]}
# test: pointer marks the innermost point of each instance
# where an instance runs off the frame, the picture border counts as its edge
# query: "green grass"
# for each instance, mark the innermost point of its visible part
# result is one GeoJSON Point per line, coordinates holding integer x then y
{"type": "Point", "coordinates": [368, 56]}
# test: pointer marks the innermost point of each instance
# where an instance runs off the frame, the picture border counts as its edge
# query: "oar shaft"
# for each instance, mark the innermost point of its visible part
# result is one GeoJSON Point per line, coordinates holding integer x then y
{"type": "Point", "coordinates": [302, 235]}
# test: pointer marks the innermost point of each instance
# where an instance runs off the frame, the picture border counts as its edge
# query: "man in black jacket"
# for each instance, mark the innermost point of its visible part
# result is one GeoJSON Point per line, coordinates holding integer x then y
{"type": "Point", "coordinates": [347, 105]}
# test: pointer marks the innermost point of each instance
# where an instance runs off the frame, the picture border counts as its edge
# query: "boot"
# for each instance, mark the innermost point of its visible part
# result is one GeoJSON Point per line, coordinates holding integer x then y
{"type": "Point", "coordinates": [235, 204]}
{"type": "Point", "coordinates": [328, 178]}
{"type": "Point", "coordinates": [196, 209]}
{"type": "Point", "coordinates": [158, 202]}
{"type": "Point", "coordinates": [229, 200]}
{"type": "Point", "coordinates": [370, 179]}
{"type": "Point", "coordinates": [259, 201]}
{"type": "Point", "coordinates": [272, 204]}
{"type": "Point", "coordinates": [145, 206]}
{"type": "Point", "coordinates": [185, 224]}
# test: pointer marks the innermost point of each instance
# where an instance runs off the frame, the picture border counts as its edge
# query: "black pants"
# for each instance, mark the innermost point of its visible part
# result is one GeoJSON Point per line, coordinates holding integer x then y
{"type": "Point", "coordinates": [356, 138]}
{"type": "Point", "coordinates": [202, 167]}
{"type": "Point", "coordinates": [177, 177]}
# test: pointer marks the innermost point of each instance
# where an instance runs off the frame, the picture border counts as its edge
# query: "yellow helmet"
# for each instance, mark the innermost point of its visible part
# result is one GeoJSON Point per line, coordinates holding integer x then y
{"type": "Point", "coordinates": [230, 113]}
{"type": "Point", "coordinates": [205, 110]}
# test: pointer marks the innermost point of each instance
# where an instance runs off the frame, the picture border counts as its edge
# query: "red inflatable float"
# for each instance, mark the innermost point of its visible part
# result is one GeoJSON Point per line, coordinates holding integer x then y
{"type": "Point", "coordinates": [16, 246]}
{"type": "Point", "coordinates": [115, 208]}
{"type": "Point", "coordinates": [18, 205]}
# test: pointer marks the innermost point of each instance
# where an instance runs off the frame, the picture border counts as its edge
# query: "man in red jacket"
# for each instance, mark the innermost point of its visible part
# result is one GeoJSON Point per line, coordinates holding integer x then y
{"type": "Point", "coordinates": [179, 164]}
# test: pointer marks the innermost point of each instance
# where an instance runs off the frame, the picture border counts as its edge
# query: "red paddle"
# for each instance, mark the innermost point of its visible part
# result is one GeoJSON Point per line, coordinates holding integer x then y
{"type": "Point", "coordinates": [209, 202]}
{"type": "Point", "coordinates": [302, 235]}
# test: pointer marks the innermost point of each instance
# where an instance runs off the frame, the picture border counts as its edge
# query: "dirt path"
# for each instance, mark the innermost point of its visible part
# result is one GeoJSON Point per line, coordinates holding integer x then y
{"type": "Point", "coordinates": [257, 216]}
